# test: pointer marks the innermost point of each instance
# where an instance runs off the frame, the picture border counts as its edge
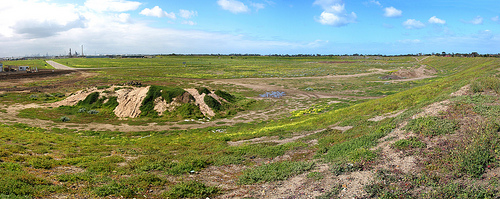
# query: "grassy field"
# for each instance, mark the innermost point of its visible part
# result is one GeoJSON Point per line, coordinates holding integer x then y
{"type": "Point", "coordinates": [39, 63]}
{"type": "Point", "coordinates": [51, 162]}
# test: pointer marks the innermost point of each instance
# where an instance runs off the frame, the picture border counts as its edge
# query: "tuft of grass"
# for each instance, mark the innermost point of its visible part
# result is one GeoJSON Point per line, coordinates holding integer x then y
{"type": "Point", "coordinates": [410, 143]}
{"type": "Point", "coordinates": [191, 189]}
{"type": "Point", "coordinates": [274, 172]}
{"type": "Point", "coordinates": [431, 126]}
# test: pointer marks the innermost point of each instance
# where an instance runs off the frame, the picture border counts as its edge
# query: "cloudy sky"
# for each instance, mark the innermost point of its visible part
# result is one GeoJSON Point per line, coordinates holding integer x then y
{"type": "Point", "coordinates": [29, 27]}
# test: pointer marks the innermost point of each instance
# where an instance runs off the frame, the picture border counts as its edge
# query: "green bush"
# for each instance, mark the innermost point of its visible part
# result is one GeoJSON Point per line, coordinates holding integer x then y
{"type": "Point", "coordinates": [431, 126]}
{"type": "Point", "coordinates": [191, 189]}
{"type": "Point", "coordinates": [225, 96]}
{"type": "Point", "coordinates": [274, 172]}
{"type": "Point", "coordinates": [212, 103]}
{"type": "Point", "coordinates": [64, 119]}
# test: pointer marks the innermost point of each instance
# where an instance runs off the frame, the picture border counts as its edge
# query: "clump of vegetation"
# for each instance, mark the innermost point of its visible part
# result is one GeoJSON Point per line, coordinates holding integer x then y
{"type": "Point", "coordinates": [189, 110]}
{"type": "Point", "coordinates": [431, 126]}
{"type": "Point", "coordinates": [191, 189]}
{"type": "Point", "coordinates": [483, 84]}
{"type": "Point", "coordinates": [410, 143]}
{"type": "Point", "coordinates": [274, 172]}
{"type": "Point", "coordinates": [89, 100]}
{"type": "Point", "coordinates": [202, 90]}
{"type": "Point", "coordinates": [212, 103]}
{"type": "Point", "coordinates": [130, 187]}
{"type": "Point", "coordinates": [64, 119]}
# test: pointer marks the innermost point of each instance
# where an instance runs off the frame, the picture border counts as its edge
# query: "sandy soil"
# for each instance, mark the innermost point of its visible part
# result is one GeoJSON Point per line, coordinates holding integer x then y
{"type": "Point", "coordinates": [199, 100]}
{"type": "Point", "coordinates": [129, 101]}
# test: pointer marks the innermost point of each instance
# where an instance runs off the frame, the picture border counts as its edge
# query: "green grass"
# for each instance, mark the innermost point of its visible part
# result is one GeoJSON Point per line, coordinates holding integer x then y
{"type": "Point", "coordinates": [409, 143]}
{"type": "Point", "coordinates": [432, 126]}
{"type": "Point", "coordinates": [274, 172]}
{"type": "Point", "coordinates": [191, 189]}
{"type": "Point", "coordinates": [30, 154]}
{"type": "Point", "coordinates": [39, 63]}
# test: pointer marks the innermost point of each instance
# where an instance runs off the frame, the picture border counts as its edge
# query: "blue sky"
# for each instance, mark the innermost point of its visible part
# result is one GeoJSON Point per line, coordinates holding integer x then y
{"type": "Point", "coordinates": [30, 27]}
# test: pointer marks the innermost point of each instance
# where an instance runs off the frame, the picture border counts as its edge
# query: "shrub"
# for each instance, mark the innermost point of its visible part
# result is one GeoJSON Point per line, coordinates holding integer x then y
{"type": "Point", "coordinates": [212, 103]}
{"type": "Point", "coordinates": [225, 96]}
{"type": "Point", "coordinates": [191, 189]}
{"type": "Point", "coordinates": [64, 119]}
{"type": "Point", "coordinates": [202, 90]}
{"type": "Point", "coordinates": [82, 110]}
{"type": "Point", "coordinates": [93, 112]}
{"type": "Point", "coordinates": [431, 126]}
{"type": "Point", "coordinates": [274, 172]}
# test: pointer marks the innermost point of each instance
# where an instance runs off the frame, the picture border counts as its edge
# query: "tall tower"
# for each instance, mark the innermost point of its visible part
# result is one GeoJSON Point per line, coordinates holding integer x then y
{"type": "Point", "coordinates": [82, 50]}
{"type": "Point", "coordinates": [70, 53]}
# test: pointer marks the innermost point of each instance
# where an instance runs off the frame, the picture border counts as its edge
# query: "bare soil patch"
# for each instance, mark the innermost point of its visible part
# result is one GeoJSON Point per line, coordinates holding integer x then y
{"type": "Point", "coordinates": [129, 101]}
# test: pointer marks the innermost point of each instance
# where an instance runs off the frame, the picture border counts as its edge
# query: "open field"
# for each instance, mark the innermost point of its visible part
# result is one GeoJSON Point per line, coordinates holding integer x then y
{"type": "Point", "coordinates": [346, 127]}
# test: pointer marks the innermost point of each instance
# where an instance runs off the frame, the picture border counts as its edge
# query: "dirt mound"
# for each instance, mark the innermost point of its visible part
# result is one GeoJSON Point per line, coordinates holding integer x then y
{"type": "Point", "coordinates": [199, 100]}
{"type": "Point", "coordinates": [423, 71]}
{"type": "Point", "coordinates": [160, 105]}
{"type": "Point", "coordinates": [75, 98]}
{"type": "Point", "coordinates": [129, 101]}
{"type": "Point", "coordinates": [185, 98]}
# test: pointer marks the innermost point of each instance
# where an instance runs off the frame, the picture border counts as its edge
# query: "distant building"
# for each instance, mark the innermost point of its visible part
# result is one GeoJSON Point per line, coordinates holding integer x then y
{"type": "Point", "coordinates": [23, 68]}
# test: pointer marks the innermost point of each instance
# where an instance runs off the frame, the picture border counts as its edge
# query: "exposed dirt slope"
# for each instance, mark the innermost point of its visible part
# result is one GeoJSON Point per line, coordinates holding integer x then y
{"type": "Point", "coordinates": [129, 101]}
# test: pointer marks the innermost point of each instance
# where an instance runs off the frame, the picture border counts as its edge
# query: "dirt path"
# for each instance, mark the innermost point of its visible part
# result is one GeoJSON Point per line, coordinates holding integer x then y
{"type": "Point", "coordinates": [59, 66]}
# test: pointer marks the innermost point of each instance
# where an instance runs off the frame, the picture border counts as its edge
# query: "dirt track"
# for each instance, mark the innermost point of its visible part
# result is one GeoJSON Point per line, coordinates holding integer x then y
{"type": "Point", "coordinates": [59, 66]}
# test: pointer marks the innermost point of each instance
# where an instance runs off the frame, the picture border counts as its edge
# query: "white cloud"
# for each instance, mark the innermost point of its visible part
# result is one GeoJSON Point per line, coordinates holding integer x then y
{"type": "Point", "coordinates": [35, 19]}
{"type": "Point", "coordinates": [334, 13]}
{"type": "Point", "coordinates": [495, 19]}
{"type": "Point", "coordinates": [413, 24]}
{"type": "Point", "coordinates": [375, 2]}
{"type": "Point", "coordinates": [476, 21]}
{"type": "Point", "coordinates": [157, 12]}
{"type": "Point", "coordinates": [258, 6]}
{"type": "Point", "coordinates": [410, 41]}
{"type": "Point", "coordinates": [123, 18]}
{"type": "Point", "coordinates": [436, 20]}
{"type": "Point", "coordinates": [186, 14]}
{"type": "Point", "coordinates": [392, 12]}
{"type": "Point", "coordinates": [191, 23]}
{"type": "Point", "coordinates": [233, 6]}
{"type": "Point", "coordinates": [112, 5]}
